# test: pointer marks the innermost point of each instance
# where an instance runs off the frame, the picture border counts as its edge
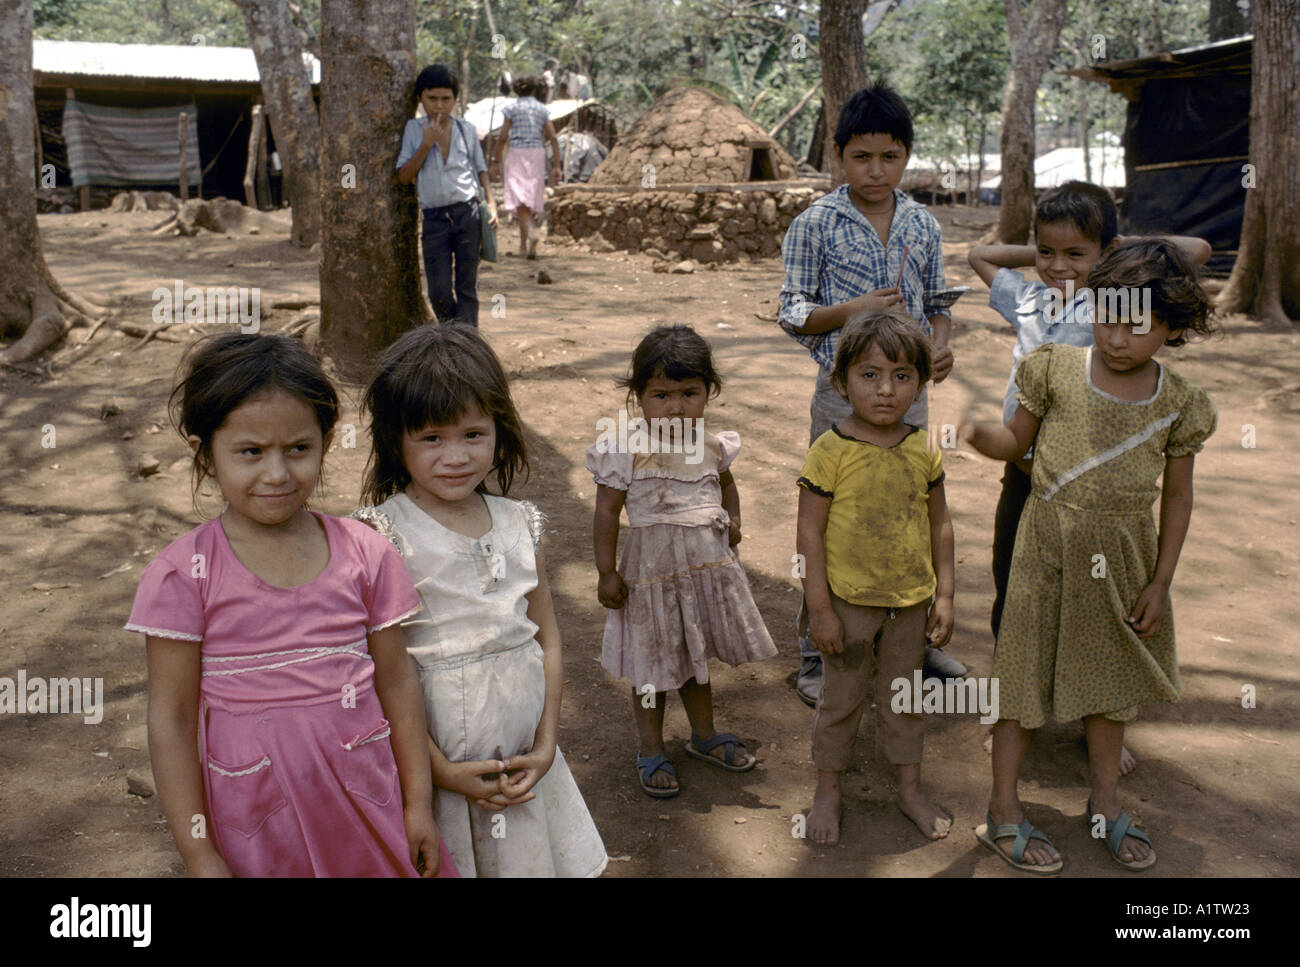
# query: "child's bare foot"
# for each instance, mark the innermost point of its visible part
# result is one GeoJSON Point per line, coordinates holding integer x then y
{"type": "Point", "coordinates": [1037, 852]}
{"type": "Point", "coordinates": [824, 817]}
{"type": "Point", "coordinates": [932, 821]}
{"type": "Point", "coordinates": [1127, 763]}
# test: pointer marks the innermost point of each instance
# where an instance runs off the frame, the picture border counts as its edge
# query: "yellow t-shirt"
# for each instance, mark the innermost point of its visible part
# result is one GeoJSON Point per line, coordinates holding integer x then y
{"type": "Point", "coordinates": [878, 530]}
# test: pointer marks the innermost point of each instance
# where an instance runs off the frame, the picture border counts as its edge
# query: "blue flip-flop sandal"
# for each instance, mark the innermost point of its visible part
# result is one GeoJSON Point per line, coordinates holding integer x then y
{"type": "Point", "coordinates": [699, 748]}
{"type": "Point", "coordinates": [1115, 833]}
{"type": "Point", "coordinates": [647, 766]}
{"type": "Point", "coordinates": [989, 833]}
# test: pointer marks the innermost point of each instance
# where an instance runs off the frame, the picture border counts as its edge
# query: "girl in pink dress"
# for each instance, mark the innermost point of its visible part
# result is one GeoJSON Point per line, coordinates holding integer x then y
{"type": "Point", "coordinates": [680, 596]}
{"type": "Point", "coordinates": [306, 707]}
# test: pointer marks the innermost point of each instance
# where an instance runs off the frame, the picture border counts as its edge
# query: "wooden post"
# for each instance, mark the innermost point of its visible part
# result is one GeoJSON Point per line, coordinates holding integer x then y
{"type": "Point", "coordinates": [263, 180]}
{"type": "Point", "coordinates": [250, 167]}
{"type": "Point", "coordinates": [84, 193]}
{"type": "Point", "coordinates": [185, 175]}
{"type": "Point", "coordinates": [284, 164]}
{"type": "Point", "coordinates": [40, 155]}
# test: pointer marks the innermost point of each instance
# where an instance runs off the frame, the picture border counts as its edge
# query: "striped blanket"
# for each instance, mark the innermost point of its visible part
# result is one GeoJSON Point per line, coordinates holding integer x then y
{"type": "Point", "coordinates": [129, 146]}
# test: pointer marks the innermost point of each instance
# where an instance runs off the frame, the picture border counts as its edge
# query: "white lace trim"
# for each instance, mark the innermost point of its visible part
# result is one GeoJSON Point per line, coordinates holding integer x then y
{"type": "Point", "coordinates": [398, 619]}
{"type": "Point", "coordinates": [383, 524]}
{"type": "Point", "coordinates": [266, 761]}
{"type": "Point", "coordinates": [277, 654]}
{"type": "Point", "coordinates": [317, 653]}
{"type": "Point", "coordinates": [374, 738]}
{"type": "Point", "coordinates": [1096, 460]}
{"type": "Point", "coordinates": [162, 632]}
{"type": "Point", "coordinates": [666, 473]}
{"type": "Point", "coordinates": [536, 521]}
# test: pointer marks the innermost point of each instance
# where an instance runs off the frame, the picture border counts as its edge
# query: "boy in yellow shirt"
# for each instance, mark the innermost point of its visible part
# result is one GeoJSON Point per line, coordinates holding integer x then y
{"type": "Point", "coordinates": [876, 541]}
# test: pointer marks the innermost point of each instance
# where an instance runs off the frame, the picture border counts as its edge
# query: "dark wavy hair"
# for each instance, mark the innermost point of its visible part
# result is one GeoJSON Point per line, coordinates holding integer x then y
{"type": "Point", "coordinates": [897, 336]}
{"type": "Point", "coordinates": [429, 377]}
{"type": "Point", "coordinates": [220, 372]}
{"type": "Point", "coordinates": [528, 86]}
{"type": "Point", "coordinates": [1086, 206]}
{"type": "Point", "coordinates": [679, 353]}
{"type": "Point", "coordinates": [1177, 297]}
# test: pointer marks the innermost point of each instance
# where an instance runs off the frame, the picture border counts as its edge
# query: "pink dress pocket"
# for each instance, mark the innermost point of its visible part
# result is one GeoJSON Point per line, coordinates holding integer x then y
{"type": "Point", "coordinates": [244, 797]}
{"type": "Point", "coordinates": [369, 769]}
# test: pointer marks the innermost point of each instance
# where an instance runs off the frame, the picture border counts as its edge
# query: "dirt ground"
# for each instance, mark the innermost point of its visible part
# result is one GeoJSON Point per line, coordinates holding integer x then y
{"type": "Point", "coordinates": [1216, 782]}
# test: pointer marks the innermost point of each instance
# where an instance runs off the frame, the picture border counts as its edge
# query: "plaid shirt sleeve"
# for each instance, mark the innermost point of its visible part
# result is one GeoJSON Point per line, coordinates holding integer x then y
{"type": "Point", "coordinates": [933, 271]}
{"type": "Point", "coordinates": [801, 253]}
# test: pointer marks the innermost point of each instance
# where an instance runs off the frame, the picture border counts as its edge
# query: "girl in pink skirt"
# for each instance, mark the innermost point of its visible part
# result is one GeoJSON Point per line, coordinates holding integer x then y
{"type": "Point", "coordinates": [272, 634]}
{"type": "Point", "coordinates": [526, 122]}
{"type": "Point", "coordinates": [679, 596]}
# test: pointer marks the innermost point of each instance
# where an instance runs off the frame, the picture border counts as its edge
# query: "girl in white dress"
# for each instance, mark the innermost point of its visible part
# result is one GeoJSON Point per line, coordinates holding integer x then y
{"type": "Point", "coordinates": [487, 645]}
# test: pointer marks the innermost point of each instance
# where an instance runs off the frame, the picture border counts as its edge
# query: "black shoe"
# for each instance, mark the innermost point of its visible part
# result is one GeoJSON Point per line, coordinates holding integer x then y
{"type": "Point", "coordinates": [809, 683]}
{"type": "Point", "coordinates": [939, 664]}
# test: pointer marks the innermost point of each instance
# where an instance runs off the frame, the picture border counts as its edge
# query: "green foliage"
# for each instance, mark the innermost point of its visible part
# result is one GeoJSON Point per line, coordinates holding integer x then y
{"type": "Point", "coordinates": [1103, 30]}
{"type": "Point", "coordinates": [949, 60]}
{"type": "Point", "coordinates": [634, 50]}
{"type": "Point", "coordinates": [217, 22]}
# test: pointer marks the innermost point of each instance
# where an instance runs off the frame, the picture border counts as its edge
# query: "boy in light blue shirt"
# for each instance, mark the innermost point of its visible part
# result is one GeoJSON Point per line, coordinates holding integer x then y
{"type": "Point", "coordinates": [442, 155]}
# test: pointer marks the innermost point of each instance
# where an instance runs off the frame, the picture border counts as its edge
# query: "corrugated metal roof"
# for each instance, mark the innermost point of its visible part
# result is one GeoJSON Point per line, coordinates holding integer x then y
{"type": "Point", "coordinates": [1232, 55]}
{"type": "Point", "coordinates": [151, 61]}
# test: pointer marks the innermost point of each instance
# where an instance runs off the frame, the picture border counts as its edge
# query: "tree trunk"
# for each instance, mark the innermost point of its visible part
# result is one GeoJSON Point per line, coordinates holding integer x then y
{"type": "Point", "coordinates": [1084, 124]}
{"type": "Point", "coordinates": [465, 56]}
{"type": "Point", "coordinates": [1265, 280]}
{"type": "Point", "coordinates": [1226, 20]}
{"type": "Point", "coordinates": [844, 70]}
{"type": "Point", "coordinates": [816, 154]}
{"type": "Point", "coordinates": [286, 88]}
{"type": "Point", "coordinates": [369, 275]}
{"type": "Point", "coordinates": [28, 307]}
{"type": "Point", "coordinates": [968, 140]}
{"type": "Point", "coordinates": [1031, 51]}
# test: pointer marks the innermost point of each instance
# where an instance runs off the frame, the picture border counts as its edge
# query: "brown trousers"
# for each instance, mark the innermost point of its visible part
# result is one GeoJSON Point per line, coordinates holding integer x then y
{"type": "Point", "coordinates": [898, 645]}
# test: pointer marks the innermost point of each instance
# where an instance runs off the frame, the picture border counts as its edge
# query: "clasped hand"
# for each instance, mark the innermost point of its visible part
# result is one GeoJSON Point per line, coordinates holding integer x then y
{"type": "Point", "coordinates": [494, 784]}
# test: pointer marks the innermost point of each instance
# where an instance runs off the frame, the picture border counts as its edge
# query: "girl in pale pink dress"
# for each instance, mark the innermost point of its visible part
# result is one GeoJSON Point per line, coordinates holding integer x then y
{"type": "Point", "coordinates": [272, 634]}
{"type": "Point", "coordinates": [679, 596]}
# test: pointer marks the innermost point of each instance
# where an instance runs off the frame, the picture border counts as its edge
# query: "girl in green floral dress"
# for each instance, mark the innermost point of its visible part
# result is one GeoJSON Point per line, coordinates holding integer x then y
{"type": "Point", "coordinates": [1087, 631]}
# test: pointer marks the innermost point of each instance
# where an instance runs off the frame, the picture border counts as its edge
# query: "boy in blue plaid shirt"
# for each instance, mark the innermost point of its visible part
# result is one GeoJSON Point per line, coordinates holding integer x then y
{"type": "Point", "coordinates": [863, 248]}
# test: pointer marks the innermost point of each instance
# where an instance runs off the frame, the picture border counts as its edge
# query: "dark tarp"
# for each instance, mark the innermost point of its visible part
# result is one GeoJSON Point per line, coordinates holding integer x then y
{"type": "Point", "coordinates": [1187, 119]}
